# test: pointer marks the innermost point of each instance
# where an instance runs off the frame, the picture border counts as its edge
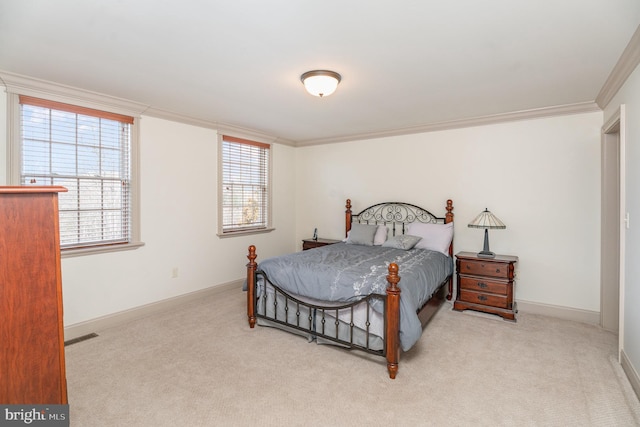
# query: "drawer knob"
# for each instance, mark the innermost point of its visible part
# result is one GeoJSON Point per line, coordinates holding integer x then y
{"type": "Point", "coordinates": [497, 270]}
{"type": "Point", "coordinates": [482, 298]}
{"type": "Point", "coordinates": [482, 285]}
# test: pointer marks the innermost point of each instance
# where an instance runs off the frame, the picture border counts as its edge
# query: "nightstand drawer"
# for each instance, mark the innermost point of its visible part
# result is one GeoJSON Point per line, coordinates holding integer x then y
{"type": "Point", "coordinates": [484, 299]}
{"type": "Point", "coordinates": [480, 285]}
{"type": "Point", "coordinates": [480, 268]}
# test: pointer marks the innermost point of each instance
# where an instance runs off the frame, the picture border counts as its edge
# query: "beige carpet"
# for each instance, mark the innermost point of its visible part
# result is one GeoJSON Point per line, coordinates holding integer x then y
{"type": "Point", "coordinates": [201, 365]}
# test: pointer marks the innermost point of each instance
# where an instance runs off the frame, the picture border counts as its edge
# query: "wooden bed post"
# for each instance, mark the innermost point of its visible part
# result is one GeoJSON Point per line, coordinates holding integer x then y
{"type": "Point", "coordinates": [449, 216]}
{"type": "Point", "coordinates": [447, 219]}
{"type": "Point", "coordinates": [251, 286]}
{"type": "Point", "coordinates": [347, 225]}
{"type": "Point", "coordinates": [393, 321]}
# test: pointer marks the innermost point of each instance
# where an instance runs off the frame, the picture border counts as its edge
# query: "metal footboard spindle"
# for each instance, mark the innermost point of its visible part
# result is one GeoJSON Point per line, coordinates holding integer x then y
{"type": "Point", "coordinates": [323, 321]}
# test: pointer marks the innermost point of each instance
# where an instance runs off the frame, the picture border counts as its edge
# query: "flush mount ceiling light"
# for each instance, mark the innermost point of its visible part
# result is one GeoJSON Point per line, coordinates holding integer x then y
{"type": "Point", "coordinates": [320, 82]}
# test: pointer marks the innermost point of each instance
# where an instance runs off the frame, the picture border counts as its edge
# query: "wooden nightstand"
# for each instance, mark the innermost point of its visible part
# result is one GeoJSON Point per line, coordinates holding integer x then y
{"type": "Point", "coordinates": [310, 243]}
{"type": "Point", "coordinates": [486, 284]}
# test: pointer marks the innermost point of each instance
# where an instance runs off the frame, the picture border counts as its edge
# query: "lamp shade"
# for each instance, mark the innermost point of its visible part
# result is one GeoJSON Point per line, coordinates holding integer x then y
{"type": "Point", "coordinates": [486, 220]}
{"type": "Point", "coordinates": [320, 82]}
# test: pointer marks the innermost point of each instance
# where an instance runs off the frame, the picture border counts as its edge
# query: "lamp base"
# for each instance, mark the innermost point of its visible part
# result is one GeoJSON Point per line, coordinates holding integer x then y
{"type": "Point", "coordinates": [486, 254]}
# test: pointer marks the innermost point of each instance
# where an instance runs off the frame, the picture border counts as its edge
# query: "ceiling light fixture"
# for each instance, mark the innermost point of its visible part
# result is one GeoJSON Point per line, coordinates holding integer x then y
{"type": "Point", "coordinates": [320, 82]}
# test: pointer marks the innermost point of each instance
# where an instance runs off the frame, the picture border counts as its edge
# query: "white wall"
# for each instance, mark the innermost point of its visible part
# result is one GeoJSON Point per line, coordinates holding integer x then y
{"type": "Point", "coordinates": [540, 177]}
{"type": "Point", "coordinates": [178, 169]}
{"type": "Point", "coordinates": [629, 95]}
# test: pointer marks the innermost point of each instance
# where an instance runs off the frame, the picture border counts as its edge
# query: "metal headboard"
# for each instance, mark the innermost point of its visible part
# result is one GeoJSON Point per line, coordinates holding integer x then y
{"type": "Point", "coordinates": [396, 215]}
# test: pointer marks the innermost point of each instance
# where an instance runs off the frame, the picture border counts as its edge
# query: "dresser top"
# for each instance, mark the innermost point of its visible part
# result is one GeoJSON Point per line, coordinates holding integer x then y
{"type": "Point", "coordinates": [31, 189]}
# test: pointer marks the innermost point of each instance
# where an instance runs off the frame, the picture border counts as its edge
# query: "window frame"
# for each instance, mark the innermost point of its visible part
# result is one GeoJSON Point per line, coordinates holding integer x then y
{"type": "Point", "coordinates": [268, 227]}
{"type": "Point", "coordinates": [51, 92]}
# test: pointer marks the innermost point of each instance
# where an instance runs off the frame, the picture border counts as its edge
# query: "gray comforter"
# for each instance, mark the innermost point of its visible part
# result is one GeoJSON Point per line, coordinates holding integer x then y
{"type": "Point", "coordinates": [346, 273]}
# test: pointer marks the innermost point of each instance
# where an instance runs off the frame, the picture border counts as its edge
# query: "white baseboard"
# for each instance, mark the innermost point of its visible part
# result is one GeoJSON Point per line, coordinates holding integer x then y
{"type": "Point", "coordinates": [115, 319]}
{"type": "Point", "coordinates": [632, 374]}
{"type": "Point", "coordinates": [567, 313]}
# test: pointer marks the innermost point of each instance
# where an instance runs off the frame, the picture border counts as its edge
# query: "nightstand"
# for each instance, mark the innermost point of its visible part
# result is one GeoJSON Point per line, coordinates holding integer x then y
{"type": "Point", "coordinates": [311, 243]}
{"type": "Point", "coordinates": [486, 284]}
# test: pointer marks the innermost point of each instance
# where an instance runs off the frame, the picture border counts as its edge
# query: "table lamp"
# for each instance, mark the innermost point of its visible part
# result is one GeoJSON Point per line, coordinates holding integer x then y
{"type": "Point", "coordinates": [486, 220]}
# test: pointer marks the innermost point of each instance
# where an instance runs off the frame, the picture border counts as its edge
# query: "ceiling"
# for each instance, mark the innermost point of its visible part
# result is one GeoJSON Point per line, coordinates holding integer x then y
{"type": "Point", "coordinates": [405, 65]}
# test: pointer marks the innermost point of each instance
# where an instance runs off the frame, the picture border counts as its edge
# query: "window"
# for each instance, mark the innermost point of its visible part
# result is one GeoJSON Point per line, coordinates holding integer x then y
{"type": "Point", "coordinates": [89, 152]}
{"type": "Point", "coordinates": [244, 188]}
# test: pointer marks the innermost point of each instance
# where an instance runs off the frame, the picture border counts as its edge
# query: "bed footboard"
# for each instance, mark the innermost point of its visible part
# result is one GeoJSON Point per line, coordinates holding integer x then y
{"type": "Point", "coordinates": [318, 318]}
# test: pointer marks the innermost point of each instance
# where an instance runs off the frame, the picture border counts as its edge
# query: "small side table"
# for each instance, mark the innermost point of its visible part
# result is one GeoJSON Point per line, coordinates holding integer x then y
{"type": "Point", "coordinates": [311, 243]}
{"type": "Point", "coordinates": [486, 284]}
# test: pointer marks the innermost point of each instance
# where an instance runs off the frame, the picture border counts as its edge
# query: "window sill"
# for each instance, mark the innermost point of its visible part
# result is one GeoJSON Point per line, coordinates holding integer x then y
{"type": "Point", "coordinates": [244, 232]}
{"type": "Point", "coordinates": [69, 253]}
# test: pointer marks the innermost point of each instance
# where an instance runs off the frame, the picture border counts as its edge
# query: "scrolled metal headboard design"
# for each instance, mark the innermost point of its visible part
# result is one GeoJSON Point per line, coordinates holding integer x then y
{"type": "Point", "coordinates": [396, 215]}
{"type": "Point", "coordinates": [390, 212]}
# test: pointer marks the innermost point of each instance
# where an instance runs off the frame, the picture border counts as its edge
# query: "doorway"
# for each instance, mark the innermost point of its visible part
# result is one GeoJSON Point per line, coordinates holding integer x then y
{"type": "Point", "coordinates": [613, 225]}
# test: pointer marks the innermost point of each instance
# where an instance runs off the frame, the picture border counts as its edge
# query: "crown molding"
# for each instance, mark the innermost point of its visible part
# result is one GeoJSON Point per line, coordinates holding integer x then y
{"type": "Point", "coordinates": [628, 62]}
{"type": "Point", "coordinates": [252, 134]}
{"type": "Point", "coordinates": [23, 85]}
{"type": "Point", "coordinates": [16, 83]}
{"type": "Point", "coordinates": [218, 126]}
{"type": "Point", "coordinates": [578, 108]}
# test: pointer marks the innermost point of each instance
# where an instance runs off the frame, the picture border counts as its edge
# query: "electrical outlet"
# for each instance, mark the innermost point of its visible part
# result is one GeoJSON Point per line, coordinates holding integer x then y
{"type": "Point", "coordinates": [174, 272]}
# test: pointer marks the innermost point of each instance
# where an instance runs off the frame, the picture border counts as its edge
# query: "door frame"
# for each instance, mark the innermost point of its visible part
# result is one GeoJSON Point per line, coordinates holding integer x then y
{"type": "Point", "coordinates": [613, 131]}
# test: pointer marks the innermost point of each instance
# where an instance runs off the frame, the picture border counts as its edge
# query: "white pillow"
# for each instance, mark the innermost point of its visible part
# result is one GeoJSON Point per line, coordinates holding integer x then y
{"type": "Point", "coordinates": [381, 235]}
{"type": "Point", "coordinates": [436, 237]}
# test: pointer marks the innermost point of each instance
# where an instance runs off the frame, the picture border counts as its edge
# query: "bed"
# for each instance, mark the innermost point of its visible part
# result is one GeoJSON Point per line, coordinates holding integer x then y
{"type": "Point", "coordinates": [350, 293]}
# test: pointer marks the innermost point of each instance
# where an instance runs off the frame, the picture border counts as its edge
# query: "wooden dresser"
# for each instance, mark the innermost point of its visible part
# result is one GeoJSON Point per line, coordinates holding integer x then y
{"type": "Point", "coordinates": [32, 364]}
{"type": "Point", "coordinates": [486, 284]}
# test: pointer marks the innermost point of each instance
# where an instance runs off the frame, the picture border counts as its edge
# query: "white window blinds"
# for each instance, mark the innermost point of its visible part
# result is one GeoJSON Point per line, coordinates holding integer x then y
{"type": "Point", "coordinates": [88, 152]}
{"type": "Point", "coordinates": [245, 185]}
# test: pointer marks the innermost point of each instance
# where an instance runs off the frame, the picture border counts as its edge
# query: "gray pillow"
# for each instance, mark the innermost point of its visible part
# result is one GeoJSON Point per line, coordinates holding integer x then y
{"type": "Point", "coordinates": [362, 234]}
{"type": "Point", "coordinates": [402, 241]}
